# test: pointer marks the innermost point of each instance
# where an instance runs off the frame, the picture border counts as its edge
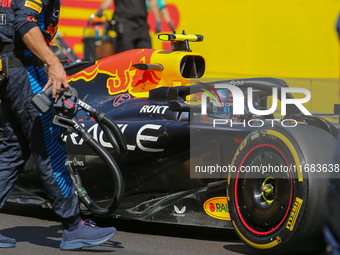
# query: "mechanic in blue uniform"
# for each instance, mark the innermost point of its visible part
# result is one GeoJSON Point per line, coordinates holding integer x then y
{"type": "Point", "coordinates": [332, 208]}
{"type": "Point", "coordinates": [26, 29]}
{"type": "Point", "coordinates": [131, 23]}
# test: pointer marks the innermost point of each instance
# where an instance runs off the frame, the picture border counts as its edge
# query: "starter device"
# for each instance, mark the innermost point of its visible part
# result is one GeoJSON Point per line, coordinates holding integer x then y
{"type": "Point", "coordinates": [65, 108]}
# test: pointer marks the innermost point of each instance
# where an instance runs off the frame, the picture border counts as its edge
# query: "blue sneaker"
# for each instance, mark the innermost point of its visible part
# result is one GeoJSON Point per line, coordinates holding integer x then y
{"type": "Point", "coordinates": [6, 242]}
{"type": "Point", "coordinates": [86, 235]}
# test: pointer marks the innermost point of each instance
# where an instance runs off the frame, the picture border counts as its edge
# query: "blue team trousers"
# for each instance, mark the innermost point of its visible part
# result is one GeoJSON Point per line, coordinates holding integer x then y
{"type": "Point", "coordinates": [26, 131]}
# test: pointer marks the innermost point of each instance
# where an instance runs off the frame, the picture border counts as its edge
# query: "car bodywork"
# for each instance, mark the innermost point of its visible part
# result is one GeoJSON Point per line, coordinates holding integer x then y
{"type": "Point", "coordinates": [147, 92]}
{"type": "Point", "coordinates": [157, 179]}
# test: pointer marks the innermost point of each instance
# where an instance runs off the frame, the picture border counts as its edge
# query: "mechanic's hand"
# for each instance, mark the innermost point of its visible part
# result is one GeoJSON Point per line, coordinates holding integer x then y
{"type": "Point", "coordinates": [57, 77]}
{"type": "Point", "coordinates": [99, 13]}
{"type": "Point", "coordinates": [158, 27]}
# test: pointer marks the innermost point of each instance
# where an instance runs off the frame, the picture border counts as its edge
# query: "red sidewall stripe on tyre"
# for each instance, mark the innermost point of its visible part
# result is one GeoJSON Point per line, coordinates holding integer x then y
{"type": "Point", "coordinates": [235, 192]}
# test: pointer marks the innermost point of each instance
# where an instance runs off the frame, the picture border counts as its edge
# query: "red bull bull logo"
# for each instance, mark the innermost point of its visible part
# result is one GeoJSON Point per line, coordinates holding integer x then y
{"type": "Point", "coordinates": [122, 76]}
{"type": "Point", "coordinates": [52, 30]}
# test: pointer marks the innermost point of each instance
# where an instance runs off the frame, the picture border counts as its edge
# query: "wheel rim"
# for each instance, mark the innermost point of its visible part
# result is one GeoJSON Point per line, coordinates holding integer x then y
{"type": "Point", "coordinates": [262, 204]}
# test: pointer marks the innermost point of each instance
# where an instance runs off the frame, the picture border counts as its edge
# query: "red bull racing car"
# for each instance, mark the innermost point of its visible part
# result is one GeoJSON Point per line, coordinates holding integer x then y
{"type": "Point", "coordinates": [192, 159]}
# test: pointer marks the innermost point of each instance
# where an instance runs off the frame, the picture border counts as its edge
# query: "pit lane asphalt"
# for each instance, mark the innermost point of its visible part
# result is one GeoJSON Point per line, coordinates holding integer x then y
{"type": "Point", "coordinates": [37, 232]}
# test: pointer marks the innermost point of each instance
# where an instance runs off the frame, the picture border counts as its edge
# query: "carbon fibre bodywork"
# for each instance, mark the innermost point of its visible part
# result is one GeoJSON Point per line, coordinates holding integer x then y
{"type": "Point", "coordinates": [160, 139]}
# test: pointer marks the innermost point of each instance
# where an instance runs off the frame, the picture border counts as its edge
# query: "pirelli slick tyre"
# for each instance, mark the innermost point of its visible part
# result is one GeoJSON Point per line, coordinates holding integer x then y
{"type": "Point", "coordinates": [274, 207]}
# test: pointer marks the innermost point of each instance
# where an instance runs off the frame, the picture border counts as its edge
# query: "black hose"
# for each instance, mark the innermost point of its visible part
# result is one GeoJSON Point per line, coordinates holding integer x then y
{"type": "Point", "coordinates": [103, 118]}
{"type": "Point", "coordinates": [109, 134]}
{"type": "Point", "coordinates": [116, 138]}
{"type": "Point", "coordinates": [116, 174]}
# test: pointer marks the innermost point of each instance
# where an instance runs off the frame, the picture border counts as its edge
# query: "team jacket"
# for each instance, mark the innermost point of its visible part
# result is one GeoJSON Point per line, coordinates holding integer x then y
{"type": "Point", "coordinates": [132, 14]}
{"type": "Point", "coordinates": [17, 17]}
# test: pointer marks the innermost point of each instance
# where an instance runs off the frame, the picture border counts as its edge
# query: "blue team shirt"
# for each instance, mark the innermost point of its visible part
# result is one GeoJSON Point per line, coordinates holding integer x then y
{"type": "Point", "coordinates": [17, 17]}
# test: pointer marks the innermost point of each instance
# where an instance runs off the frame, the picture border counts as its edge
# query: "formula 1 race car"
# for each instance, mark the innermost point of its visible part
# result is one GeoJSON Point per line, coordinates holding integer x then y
{"type": "Point", "coordinates": [201, 153]}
